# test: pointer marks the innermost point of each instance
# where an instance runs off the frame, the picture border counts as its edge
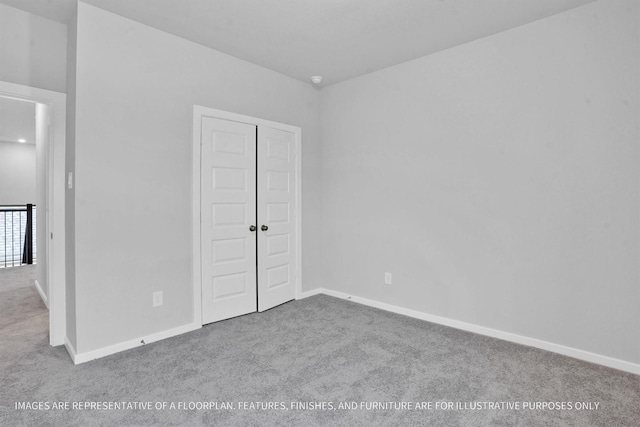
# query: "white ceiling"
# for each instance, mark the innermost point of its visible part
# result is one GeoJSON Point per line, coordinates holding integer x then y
{"type": "Point", "coordinates": [337, 39]}
{"type": "Point", "coordinates": [17, 120]}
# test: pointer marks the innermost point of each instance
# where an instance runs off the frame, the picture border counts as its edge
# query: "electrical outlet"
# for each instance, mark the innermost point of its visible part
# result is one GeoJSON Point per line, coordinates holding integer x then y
{"type": "Point", "coordinates": [387, 278]}
{"type": "Point", "coordinates": [157, 299]}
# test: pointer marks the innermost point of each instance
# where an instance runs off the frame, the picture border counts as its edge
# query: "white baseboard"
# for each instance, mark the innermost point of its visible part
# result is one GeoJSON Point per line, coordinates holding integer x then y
{"type": "Point", "coordinates": [599, 359]}
{"type": "Point", "coordinates": [469, 327]}
{"type": "Point", "coordinates": [42, 294]}
{"type": "Point", "coordinates": [70, 349]}
{"type": "Point", "coordinates": [126, 345]}
{"type": "Point", "coordinates": [311, 293]}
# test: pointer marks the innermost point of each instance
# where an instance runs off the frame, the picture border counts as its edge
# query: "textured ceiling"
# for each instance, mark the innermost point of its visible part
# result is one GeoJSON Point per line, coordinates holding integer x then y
{"type": "Point", "coordinates": [337, 39]}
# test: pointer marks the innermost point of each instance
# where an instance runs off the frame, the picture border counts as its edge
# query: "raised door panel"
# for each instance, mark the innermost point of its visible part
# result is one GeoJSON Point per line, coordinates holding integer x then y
{"type": "Point", "coordinates": [228, 209]}
{"type": "Point", "coordinates": [276, 210]}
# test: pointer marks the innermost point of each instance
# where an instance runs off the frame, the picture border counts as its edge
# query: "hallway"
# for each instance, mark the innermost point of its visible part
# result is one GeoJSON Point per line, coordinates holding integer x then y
{"type": "Point", "coordinates": [24, 319]}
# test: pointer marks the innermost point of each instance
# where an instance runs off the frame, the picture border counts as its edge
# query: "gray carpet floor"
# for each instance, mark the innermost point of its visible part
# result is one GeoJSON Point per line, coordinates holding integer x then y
{"type": "Point", "coordinates": [320, 349]}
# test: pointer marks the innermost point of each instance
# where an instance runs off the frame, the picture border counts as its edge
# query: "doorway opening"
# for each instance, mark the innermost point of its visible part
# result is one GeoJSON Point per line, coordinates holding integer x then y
{"type": "Point", "coordinates": [43, 208]}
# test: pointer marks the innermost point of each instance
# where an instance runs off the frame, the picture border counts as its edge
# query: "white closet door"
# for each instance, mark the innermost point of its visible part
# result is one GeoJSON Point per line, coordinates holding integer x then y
{"type": "Point", "coordinates": [228, 209]}
{"type": "Point", "coordinates": [276, 213]}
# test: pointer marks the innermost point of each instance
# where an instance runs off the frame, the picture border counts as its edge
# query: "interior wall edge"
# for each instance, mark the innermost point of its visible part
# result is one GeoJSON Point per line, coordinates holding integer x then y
{"type": "Point", "coordinates": [71, 350]}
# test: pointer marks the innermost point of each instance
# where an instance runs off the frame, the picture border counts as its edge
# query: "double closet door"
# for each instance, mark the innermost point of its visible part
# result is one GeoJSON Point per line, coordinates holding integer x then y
{"type": "Point", "coordinates": [248, 240]}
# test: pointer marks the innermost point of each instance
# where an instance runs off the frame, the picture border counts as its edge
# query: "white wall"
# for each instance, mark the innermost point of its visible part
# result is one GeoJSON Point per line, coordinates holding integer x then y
{"type": "Point", "coordinates": [32, 50]}
{"type": "Point", "coordinates": [498, 181]}
{"type": "Point", "coordinates": [41, 128]}
{"type": "Point", "coordinates": [17, 173]}
{"type": "Point", "coordinates": [135, 91]}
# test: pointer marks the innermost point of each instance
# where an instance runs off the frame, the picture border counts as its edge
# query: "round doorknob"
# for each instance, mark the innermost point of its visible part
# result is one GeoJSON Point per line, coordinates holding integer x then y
{"type": "Point", "coordinates": [264, 228]}
{"type": "Point", "coordinates": [252, 228]}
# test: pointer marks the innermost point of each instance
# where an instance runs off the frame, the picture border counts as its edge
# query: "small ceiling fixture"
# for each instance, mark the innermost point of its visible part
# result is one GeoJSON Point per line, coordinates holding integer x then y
{"type": "Point", "coordinates": [22, 140]}
{"type": "Point", "coordinates": [316, 80]}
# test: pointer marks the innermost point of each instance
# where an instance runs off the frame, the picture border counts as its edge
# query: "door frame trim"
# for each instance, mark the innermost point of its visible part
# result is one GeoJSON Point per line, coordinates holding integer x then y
{"type": "Point", "coordinates": [199, 112]}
